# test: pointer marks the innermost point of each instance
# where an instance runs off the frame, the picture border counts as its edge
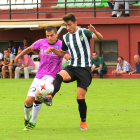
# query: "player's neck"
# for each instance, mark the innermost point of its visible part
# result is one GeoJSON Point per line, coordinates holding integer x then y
{"type": "Point", "coordinates": [53, 43]}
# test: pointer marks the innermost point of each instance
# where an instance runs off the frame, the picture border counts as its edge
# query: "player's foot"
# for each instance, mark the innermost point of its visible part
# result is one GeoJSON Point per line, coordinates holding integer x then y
{"type": "Point", "coordinates": [29, 126]}
{"type": "Point", "coordinates": [27, 121]}
{"type": "Point", "coordinates": [83, 125]}
{"type": "Point", "coordinates": [43, 99]}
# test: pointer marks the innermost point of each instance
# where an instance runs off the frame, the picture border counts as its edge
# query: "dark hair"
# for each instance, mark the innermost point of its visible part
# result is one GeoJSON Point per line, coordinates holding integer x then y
{"type": "Point", "coordinates": [10, 47]}
{"type": "Point", "coordinates": [6, 50]}
{"type": "Point", "coordinates": [68, 17]}
{"type": "Point", "coordinates": [94, 52]}
{"type": "Point", "coordinates": [50, 28]}
{"type": "Point", "coordinates": [121, 57]}
{"type": "Point", "coordinates": [11, 41]}
{"type": "Point", "coordinates": [25, 39]}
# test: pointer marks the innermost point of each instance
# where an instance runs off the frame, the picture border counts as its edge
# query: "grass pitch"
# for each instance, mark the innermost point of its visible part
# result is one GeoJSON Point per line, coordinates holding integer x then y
{"type": "Point", "coordinates": [113, 112]}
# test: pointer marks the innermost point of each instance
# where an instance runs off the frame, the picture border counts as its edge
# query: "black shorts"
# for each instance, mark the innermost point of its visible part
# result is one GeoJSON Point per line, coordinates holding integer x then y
{"type": "Point", "coordinates": [82, 75]}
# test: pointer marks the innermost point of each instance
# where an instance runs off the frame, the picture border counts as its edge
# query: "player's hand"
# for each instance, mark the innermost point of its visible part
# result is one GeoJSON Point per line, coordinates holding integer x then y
{"type": "Point", "coordinates": [67, 57]}
{"type": "Point", "coordinates": [49, 49]}
{"type": "Point", "coordinates": [91, 28]}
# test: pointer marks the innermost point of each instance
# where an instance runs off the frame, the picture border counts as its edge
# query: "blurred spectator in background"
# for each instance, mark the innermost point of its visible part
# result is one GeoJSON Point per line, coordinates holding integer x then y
{"type": "Point", "coordinates": [111, 5]}
{"type": "Point", "coordinates": [137, 60]}
{"type": "Point", "coordinates": [117, 4]}
{"type": "Point", "coordinates": [9, 49]}
{"type": "Point", "coordinates": [27, 65]}
{"type": "Point", "coordinates": [1, 61]}
{"type": "Point", "coordinates": [37, 58]}
{"type": "Point", "coordinates": [98, 65]}
{"type": "Point", "coordinates": [11, 45]}
{"type": "Point", "coordinates": [1, 56]}
{"type": "Point", "coordinates": [123, 67]}
{"type": "Point", "coordinates": [8, 63]}
{"type": "Point", "coordinates": [24, 46]}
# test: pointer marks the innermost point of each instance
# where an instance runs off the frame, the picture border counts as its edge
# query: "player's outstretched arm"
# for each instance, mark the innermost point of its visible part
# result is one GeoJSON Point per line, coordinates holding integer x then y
{"type": "Point", "coordinates": [97, 35]}
{"type": "Point", "coordinates": [56, 51]}
{"type": "Point", "coordinates": [26, 51]}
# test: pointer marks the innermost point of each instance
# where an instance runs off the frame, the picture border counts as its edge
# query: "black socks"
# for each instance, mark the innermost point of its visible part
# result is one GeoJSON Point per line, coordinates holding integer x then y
{"type": "Point", "coordinates": [57, 84]}
{"type": "Point", "coordinates": [82, 109]}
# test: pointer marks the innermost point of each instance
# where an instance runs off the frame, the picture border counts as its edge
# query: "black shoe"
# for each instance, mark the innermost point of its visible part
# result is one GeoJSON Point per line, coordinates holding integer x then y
{"type": "Point", "coordinates": [44, 99]}
{"type": "Point", "coordinates": [126, 15]}
{"type": "Point", "coordinates": [114, 15]}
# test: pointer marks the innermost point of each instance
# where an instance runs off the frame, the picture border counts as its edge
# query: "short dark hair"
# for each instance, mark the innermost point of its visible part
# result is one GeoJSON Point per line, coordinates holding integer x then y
{"type": "Point", "coordinates": [25, 39]}
{"type": "Point", "coordinates": [94, 52]}
{"type": "Point", "coordinates": [68, 17]}
{"type": "Point", "coordinates": [6, 50]}
{"type": "Point", "coordinates": [50, 28]}
{"type": "Point", "coordinates": [11, 41]}
{"type": "Point", "coordinates": [121, 57]}
{"type": "Point", "coordinates": [10, 47]}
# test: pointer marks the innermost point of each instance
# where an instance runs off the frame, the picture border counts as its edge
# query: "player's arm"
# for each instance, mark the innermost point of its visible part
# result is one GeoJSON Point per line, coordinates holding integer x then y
{"type": "Point", "coordinates": [96, 35]}
{"type": "Point", "coordinates": [26, 51]}
{"type": "Point", "coordinates": [61, 52]}
{"type": "Point", "coordinates": [56, 51]}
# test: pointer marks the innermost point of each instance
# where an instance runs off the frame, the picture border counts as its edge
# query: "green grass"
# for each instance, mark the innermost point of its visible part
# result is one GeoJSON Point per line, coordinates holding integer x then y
{"type": "Point", "coordinates": [113, 112]}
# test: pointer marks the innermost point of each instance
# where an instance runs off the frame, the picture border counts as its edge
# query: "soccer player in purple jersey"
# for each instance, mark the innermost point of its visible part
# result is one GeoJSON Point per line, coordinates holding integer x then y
{"type": "Point", "coordinates": [50, 65]}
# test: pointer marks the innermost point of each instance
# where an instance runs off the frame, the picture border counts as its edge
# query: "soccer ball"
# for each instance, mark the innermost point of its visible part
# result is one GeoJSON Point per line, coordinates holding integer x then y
{"type": "Point", "coordinates": [94, 66]}
{"type": "Point", "coordinates": [46, 88]}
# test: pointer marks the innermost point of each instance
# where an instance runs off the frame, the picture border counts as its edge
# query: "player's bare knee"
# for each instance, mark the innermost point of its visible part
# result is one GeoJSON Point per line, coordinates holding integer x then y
{"type": "Point", "coordinates": [80, 97]}
{"type": "Point", "coordinates": [64, 75]}
{"type": "Point", "coordinates": [29, 101]}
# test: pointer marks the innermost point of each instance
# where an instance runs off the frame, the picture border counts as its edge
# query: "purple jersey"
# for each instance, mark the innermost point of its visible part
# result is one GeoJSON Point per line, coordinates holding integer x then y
{"type": "Point", "coordinates": [50, 64]}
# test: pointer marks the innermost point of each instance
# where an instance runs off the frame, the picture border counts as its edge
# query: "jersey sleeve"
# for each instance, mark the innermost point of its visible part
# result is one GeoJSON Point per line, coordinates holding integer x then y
{"type": "Point", "coordinates": [36, 45]}
{"type": "Point", "coordinates": [88, 33]}
{"type": "Point", "coordinates": [64, 46]}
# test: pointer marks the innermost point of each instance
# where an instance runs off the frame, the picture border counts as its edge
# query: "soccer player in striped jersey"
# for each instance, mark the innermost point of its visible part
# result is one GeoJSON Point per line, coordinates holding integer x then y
{"type": "Point", "coordinates": [77, 42]}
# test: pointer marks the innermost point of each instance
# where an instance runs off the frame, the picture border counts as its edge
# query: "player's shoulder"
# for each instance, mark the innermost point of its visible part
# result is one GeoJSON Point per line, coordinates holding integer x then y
{"type": "Point", "coordinates": [59, 41]}
{"type": "Point", "coordinates": [66, 34]}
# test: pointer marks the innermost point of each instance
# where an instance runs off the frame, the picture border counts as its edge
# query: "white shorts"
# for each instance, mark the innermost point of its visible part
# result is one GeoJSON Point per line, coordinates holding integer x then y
{"type": "Point", "coordinates": [35, 84]}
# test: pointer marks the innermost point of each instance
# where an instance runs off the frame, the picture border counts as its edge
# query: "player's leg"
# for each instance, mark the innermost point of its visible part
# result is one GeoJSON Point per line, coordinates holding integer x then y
{"type": "Point", "coordinates": [3, 71]}
{"type": "Point", "coordinates": [84, 77]}
{"type": "Point", "coordinates": [10, 71]}
{"type": "Point", "coordinates": [82, 107]}
{"type": "Point", "coordinates": [36, 109]}
{"type": "Point", "coordinates": [29, 104]}
{"type": "Point", "coordinates": [63, 75]}
{"type": "Point", "coordinates": [27, 109]}
{"type": "Point", "coordinates": [37, 105]}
